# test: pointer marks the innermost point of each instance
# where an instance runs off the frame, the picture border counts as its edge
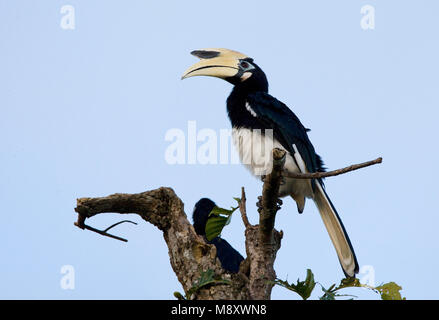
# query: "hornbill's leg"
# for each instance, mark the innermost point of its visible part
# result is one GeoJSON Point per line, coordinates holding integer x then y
{"type": "Point", "coordinates": [259, 203]}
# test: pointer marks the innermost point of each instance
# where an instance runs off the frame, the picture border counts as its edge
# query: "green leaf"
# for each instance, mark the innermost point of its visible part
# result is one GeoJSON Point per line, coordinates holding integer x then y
{"type": "Point", "coordinates": [206, 278]}
{"type": "Point", "coordinates": [302, 288]}
{"type": "Point", "coordinates": [332, 292]}
{"type": "Point", "coordinates": [328, 294]}
{"type": "Point", "coordinates": [390, 291]}
{"type": "Point", "coordinates": [179, 296]}
{"type": "Point", "coordinates": [215, 226]}
{"type": "Point", "coordinates": [349, 283]}
{"type": "Point", "coordinates": [216, 211]}
{"type": "Point", "coordinates": [218, 219]}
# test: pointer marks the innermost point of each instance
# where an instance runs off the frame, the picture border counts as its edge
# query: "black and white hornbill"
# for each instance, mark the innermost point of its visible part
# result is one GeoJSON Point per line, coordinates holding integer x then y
{"type": "Point", "coordinates": [230, 258]}
{"type": "Point", "coordinates": [259, 120]}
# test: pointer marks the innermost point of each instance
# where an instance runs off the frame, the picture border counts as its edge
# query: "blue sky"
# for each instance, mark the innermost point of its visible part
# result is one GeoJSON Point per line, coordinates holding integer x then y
{"type": "Point", "coordinates": [84, 113]}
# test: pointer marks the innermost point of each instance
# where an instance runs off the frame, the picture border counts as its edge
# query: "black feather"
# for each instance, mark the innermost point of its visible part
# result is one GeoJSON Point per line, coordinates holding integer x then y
{"type": "Point", "coordinates": [200, 215]}
{"type": "Point", "coordinates": [273, 114]}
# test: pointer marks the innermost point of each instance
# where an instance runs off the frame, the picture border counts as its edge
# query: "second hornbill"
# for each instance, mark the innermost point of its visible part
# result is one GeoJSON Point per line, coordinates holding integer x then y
{"type": "Point", "coordinates": [252, 111]}
{"type": "Point", "coordinates": [230, 258]}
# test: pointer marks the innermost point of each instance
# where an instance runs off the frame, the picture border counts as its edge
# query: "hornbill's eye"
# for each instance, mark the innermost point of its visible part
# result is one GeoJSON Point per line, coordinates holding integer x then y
{"type": "Point", "coordinates": [245, 65]}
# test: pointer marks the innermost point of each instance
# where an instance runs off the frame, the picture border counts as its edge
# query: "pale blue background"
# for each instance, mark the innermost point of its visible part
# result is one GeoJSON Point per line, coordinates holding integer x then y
{"type": "Point", "coordinates": [84, 112]}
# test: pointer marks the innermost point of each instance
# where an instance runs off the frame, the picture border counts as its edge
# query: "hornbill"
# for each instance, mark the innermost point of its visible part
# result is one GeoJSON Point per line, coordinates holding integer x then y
{"type": "Point", "coordinates": [258, 120]}
{"type": "Point", "coordinates": [230, 258]}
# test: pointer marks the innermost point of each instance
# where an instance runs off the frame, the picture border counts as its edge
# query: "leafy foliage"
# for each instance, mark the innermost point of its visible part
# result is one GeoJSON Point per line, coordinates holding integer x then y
{"type": "Point", "coordinates": [332, 292]}
{"type": "Point", "coordinates": [387, 291]}
{"type": "Point", "coordinates": [302, 288]}
{"type": "Point", "coordinates": [218, 219]}
{"type": "Point", "coordinates": [390, 291]}
{"type": "Point", "coordinates": [206, 278]}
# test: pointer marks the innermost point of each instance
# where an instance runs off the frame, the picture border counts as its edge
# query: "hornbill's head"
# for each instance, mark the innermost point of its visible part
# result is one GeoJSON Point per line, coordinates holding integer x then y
{"type": "Point", "coordinates": [201, 213]}
{"type": "Point", "coordinates": [232, 66]}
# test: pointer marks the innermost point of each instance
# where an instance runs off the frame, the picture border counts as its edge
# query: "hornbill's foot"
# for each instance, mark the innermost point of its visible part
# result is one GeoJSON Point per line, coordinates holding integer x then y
{"type": "Point", "coordinates": [259, 204]}
{"type": "Point", "coordinates": [279, 203]}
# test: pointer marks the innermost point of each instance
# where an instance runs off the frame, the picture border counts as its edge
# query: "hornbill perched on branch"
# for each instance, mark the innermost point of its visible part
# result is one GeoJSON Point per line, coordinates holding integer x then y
{"type": "Point", "coordinates": [260, 120]}
{"type": "Point", "coordinates": [230, 258]}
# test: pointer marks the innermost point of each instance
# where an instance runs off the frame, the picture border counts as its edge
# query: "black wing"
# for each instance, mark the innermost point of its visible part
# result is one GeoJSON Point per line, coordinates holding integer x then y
{"type": "Point", "coordinates": [230, 258]}
{"type": "Point", "coordinates": [287, 128]}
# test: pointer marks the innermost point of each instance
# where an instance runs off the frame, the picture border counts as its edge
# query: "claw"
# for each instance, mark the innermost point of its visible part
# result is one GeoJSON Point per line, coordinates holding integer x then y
{"type": "Point", "coordinates": [259, 204]}
{"type": "Point", "coordinates": [279, 203]}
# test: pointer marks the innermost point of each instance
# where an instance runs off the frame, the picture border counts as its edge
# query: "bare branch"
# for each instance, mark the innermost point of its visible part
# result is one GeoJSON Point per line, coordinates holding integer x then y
{"type": "Point", "coordinates": [269, 200]}
{"type": "Point", "coordinates": [243, 210]}
{"type": "Point", "coordinates": [317, 175]}
{"type": "Point", "coordinates": [101, 232]}
{"type": "Point", "coordinates": [118, 223]}
{"type": "Point", "coordinates": [152, 206]}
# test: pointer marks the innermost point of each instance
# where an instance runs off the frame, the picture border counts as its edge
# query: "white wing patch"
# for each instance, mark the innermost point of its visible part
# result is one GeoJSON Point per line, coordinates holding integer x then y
{"type": "Point", "coordinates": [299, 159]}
{"type": "Point", "coordinates": [254, 151]}
{"type": "Point", "coordinates": [249, 109]}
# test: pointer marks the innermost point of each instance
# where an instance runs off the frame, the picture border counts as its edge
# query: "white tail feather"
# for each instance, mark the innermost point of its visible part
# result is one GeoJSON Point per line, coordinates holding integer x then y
{"type": "Point", "coordinates": [336, 232]}
{"type": "Point", "coordinates": [333, 224]}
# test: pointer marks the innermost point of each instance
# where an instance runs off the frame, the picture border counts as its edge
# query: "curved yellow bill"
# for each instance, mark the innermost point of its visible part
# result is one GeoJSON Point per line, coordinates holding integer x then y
{"type": "Point", "coordinates": [215, 62]}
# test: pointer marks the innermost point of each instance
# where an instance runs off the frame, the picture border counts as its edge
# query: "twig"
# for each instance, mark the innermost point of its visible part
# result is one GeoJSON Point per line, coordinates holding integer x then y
{"type": "Point", "coordinates": [80, 224]}
{"type": "Point", "coordinates": [317, 175]}
{"type": "Point", "coordinates": [117, 223]}
{"type": "Point", "coordinates": [243, 210]}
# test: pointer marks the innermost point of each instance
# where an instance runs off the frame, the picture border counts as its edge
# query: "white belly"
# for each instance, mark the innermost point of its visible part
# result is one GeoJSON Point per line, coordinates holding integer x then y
{"type": "Point", "coordinates": [255, 152]}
